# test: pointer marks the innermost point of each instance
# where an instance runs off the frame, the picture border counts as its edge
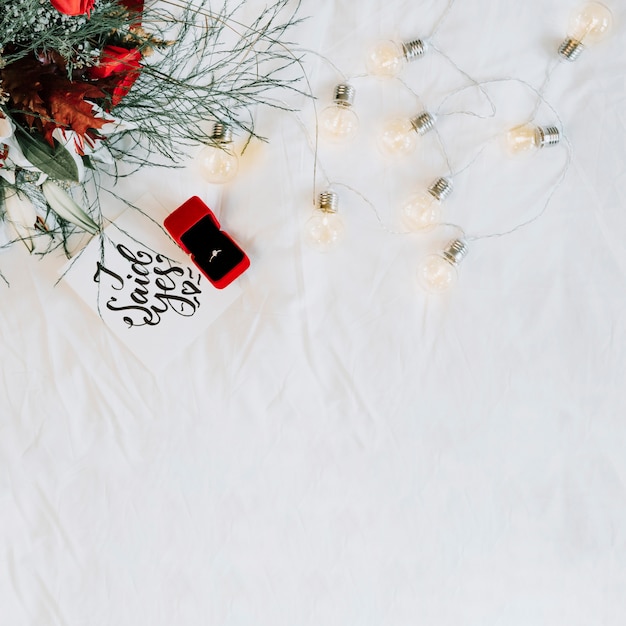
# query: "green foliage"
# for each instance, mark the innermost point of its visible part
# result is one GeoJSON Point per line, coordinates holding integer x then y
{"type": "Point", "coordinates": [34, 27]}
{"type": "Point", "coordinates": [57, 162]}
{"type": "Point", "coordinates": [217, 68]}
{"type": "Point", "coordinates": [202, 63]}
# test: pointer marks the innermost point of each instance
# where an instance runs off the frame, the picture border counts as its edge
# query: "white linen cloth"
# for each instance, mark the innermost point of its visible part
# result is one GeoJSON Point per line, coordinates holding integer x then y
{"type": "Point", "coordinates": [340, 448]}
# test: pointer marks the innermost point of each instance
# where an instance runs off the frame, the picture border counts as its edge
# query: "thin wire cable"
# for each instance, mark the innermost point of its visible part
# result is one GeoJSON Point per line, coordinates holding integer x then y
{"type": "Point", "coordinates": [441, 20]}
{"type": "Point", "coordinates": [455, 173]}
{"type": "Point", "coordinates": [314, 145]}
{"type": "Point", "coordinates": [440, 140]}
{"type": "Point", "coordinates": [455, 227]}
{"type": "Point", "coordinates": [474, 83]}
{"type": "Point", "coordinates": [444, 150]}
{"type": "Point", "coordinates": [331, 184]}
{"type": "Point", "coordinates": [319, 55]}
{"type": "Point", "coordinates": [412, 92]}
{"type": "Point", "coordinates": [541, 101]}
{"type": "Point", "coordinates": [544, 208]}
{"type": "Point", "coordinates": [475, 158]}
{"type": "Point", "coordinates": [540, 97]}
{"type": "Point", "coordinates": [543, 88]}
{"type": "Point", "coordinates": [372, 206]}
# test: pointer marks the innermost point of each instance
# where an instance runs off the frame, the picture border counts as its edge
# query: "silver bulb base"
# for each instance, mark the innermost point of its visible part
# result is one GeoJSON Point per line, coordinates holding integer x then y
{"type": "Point", "coordinates": [222, 133]}
{"type": "Point", "coordinates": [414, 49]}
{"type": "Point", "coordinates": [570, 49]}
{"type": "Point", "coordinates": [455, 251]}
{"type": "Point", "coordinates": [548, 136]}
{"type": "Point", "coordinates": [344, 95]}
{"type": "Point", "coordinates": [440, 189]}
{"type": "Point", "coordinates": [423, 123]}
{"type": "Point", "coordinates": [329, 202]}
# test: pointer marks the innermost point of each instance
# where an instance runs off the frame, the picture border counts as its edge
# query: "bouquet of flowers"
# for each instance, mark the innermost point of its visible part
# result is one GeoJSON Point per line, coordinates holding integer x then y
{"type": "Point", "coordinates": [89, 85]}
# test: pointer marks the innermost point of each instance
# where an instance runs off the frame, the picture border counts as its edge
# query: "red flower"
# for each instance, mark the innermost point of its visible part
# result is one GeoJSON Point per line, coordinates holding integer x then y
{"type": "Point", "coordinates": [118, 70]}
{"type": "Point", "coordinates": [82, 7]}
{"type": "Point", "coordinates": [135, 9]}
{"type": "Point", "coordinates": [133, 5]}
{"type": "Point", "coordinates": [73, 7]}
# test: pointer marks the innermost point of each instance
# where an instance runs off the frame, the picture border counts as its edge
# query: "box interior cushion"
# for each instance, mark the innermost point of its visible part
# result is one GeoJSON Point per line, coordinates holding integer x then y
{"type": "Point", "coordinates": [213, 250]}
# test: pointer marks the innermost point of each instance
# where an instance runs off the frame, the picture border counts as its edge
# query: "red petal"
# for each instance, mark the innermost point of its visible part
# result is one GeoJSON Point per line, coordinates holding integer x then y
{"type": "Point", "coordinates": [73, 7]}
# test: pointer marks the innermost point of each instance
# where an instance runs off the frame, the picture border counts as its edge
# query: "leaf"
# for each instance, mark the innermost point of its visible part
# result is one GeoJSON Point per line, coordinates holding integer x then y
{"type": "Point", "coordinates": [23, 80]}
{"type": "Point", "coordinates": [65, 207]}
{"type": "Point", "coordinates": [47, 99]}
{"type": "Point", "coordinates": [57, 162]}
{"type": "Point", "coordinates": [70, 109]}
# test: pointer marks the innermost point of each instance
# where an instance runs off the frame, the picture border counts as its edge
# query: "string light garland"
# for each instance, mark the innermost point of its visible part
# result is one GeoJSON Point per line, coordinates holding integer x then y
{"type": "Point", "coordinates": [422, 211]}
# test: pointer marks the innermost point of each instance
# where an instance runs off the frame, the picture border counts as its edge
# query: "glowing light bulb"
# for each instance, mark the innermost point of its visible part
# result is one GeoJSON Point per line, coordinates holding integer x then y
{"type": "Point", "coordinates": [218, 163]}
{"type": "Point", "coordinates": [399, 136]}
{"type": "Point", "coordinates": [590, 24]}
{"type": "Point", "coordinates": [422, 211]}
{"type": "Point", "coordinates": [528, 138]}
{"type": "Point", "coordinates": [325, 229]}
{"type": "Point", "coordinates": [386, 59]}
{"type": "Point", "coordinates": [437, 273]}
{"type": "Point", "coordinates": [338, 122]}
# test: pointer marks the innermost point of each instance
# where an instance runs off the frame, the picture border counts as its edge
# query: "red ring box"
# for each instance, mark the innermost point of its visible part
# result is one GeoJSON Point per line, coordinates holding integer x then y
{"type": "Point", "coordinates": [196, 230]}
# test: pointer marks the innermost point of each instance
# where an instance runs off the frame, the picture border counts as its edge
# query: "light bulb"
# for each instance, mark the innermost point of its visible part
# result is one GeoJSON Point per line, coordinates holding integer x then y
{"type": "Point", "coordinates": [325, 229]}
{"type": "Point", "coordinates": [386, 59]}
{"type": "Point", "coordinates": [588, 25]}
{"type": "Point", "coordinates": [422, 210]}
{"type": "Point", "coordinates": [217, 162]}
{"type": "Point", "coordinates": [528, 138]}
{"type": "Point", "coordinates": [338, 122]}
{"type": "Point", "coordinates": [437, 273]}
{"type": "Point", "coordinates": [399, 136]}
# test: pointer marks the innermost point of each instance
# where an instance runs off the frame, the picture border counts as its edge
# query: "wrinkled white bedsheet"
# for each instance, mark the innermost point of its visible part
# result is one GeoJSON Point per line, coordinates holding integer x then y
{"type": "Point", "coordinates": [338, 448]}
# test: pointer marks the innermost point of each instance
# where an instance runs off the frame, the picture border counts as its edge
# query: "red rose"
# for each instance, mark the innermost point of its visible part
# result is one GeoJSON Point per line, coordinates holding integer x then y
{"type": "Point", "coordinates": [73, 7]}
{"type": "Point", "coordinates": [118, 70]}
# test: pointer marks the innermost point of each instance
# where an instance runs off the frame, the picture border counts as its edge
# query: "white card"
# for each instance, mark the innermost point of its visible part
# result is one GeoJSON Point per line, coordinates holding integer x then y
{"type": "Point", "coordinates": [145, 288]}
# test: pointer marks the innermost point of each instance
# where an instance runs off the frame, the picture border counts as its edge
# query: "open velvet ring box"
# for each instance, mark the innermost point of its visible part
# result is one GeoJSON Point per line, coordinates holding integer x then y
{"type": "Point", "coordinates": [196, 230]}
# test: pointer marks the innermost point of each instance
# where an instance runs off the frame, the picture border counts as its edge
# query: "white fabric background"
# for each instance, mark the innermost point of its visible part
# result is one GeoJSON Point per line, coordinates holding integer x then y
{"type": "Point", "coordinates": [339, 448]}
